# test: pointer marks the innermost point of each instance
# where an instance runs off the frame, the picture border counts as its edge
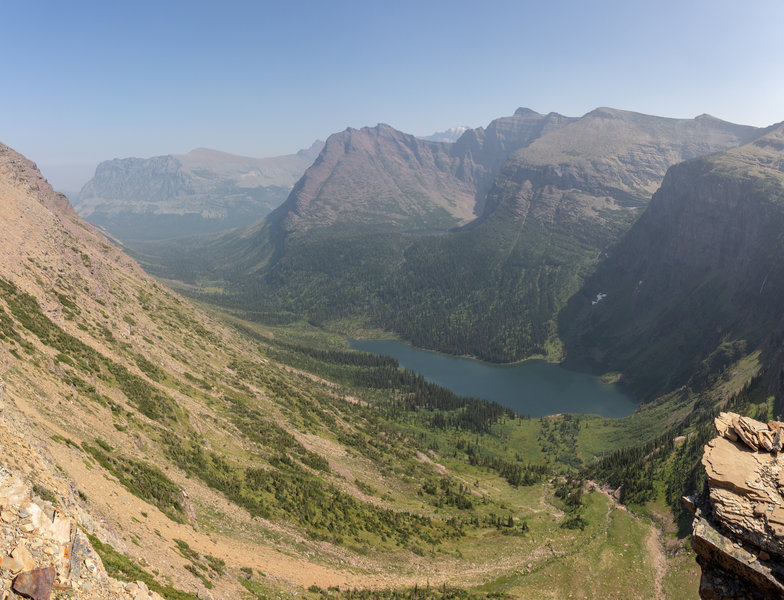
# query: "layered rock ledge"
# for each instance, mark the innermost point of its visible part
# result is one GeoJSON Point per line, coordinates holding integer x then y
{"type": "Point", "coordinates": [738, 530]}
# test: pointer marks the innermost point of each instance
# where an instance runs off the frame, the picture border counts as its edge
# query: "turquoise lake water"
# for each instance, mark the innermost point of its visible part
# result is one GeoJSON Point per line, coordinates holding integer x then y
{"type": "Point", "coordinates": [535, 388]}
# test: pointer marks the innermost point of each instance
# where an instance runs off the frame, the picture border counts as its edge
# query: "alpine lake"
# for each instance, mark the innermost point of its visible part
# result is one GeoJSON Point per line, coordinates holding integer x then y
{"type": "Point", "coordinates": [534, 388]}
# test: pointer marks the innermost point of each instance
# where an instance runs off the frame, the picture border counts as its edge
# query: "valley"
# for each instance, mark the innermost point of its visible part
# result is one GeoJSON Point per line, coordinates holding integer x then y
{"type": "Point", "coordinates": [227, 442]}
{"type": "Point", "coordinates": [373, 301]}
{"type": "Point", "coordinates": [537, 202]}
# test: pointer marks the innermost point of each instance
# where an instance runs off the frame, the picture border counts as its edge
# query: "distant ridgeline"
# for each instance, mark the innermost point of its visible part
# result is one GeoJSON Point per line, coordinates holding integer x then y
{"type": "Point", "coordinates": [203, 191]}
{"type": "Point", "coordinates": [512, 242]}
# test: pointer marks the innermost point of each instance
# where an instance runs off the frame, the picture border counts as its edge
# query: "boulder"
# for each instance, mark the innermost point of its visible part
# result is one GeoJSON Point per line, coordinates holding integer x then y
{"type": "Point", "coordinates": [36, 584]}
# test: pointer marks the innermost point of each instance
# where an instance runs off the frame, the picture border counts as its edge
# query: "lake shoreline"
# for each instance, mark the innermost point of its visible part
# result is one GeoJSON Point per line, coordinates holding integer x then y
{"type": "Point", "coordinates": [464, 356]}
{"type": "Point", "coordinates": [534, 387]}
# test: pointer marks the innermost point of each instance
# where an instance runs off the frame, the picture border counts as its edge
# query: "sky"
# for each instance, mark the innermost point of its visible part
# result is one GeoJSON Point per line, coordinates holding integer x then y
{"type": "Point", "coordinates": [82, 82]}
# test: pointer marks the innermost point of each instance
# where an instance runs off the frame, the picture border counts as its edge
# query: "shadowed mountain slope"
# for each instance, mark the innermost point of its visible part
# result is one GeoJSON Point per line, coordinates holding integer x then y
{"type": "Point", "coordinates": [697, 279]}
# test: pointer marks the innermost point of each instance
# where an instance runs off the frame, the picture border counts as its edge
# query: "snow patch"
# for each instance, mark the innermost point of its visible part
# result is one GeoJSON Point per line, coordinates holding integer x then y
{"type": "Point", "coordinates": [599, 297]}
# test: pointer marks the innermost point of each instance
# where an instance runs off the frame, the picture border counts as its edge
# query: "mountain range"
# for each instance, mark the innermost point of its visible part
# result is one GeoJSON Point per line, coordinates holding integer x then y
{"type": "Point", "coordinates": [524, 211]}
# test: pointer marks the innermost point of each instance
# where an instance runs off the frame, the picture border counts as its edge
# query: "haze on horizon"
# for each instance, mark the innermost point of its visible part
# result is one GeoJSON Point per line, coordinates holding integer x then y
{"type": "Point", "coordinates": [93, 81]}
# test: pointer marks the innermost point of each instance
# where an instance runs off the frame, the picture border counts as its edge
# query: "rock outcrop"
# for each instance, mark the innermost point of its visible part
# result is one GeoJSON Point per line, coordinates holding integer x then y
{"type": "Point", "coordinates": [43, 551]}
{"type": "Point", "coordinates": [738, 532]}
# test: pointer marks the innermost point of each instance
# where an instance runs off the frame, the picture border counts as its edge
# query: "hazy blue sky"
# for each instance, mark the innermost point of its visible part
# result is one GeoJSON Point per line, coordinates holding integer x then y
{"type": "Point", "coordinates": [88, 81]}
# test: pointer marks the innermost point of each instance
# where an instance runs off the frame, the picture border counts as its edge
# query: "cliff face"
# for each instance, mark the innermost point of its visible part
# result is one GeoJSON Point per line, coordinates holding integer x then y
{"type": "Point", "coordinates": [198, 192]}
{"type": "Point", "coordinates": [380, 176]}
{"type": "Point", "coordinates": [482, 152]}
{"type": "Point", "coordinates": [738, 532]}
{"type": "Point", "coordinates": [702, 267]}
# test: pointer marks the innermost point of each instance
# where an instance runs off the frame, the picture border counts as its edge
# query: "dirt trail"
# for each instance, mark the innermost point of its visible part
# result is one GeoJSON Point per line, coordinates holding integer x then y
{"type": "Point", "coordinates": [608, 493]}
{"type": "Point", "coordinates": [656, 554]}
{"type": "Point", "coordinates": [652, 542]}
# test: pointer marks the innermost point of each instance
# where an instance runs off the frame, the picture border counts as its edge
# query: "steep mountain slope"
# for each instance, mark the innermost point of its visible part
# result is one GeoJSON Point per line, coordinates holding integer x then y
{"type": "Point", "coordinates": [700, 276]}
{"type": "Point", "coordinates": [380, 176]}
{"type": "Point", "coordinates": [237, 462]}
{"type": "Point", "coordinates": [185, 194]}
{"type": "Point", "coordinates": [196, 436]}
{"type": "Point", "coordinates": [555, 206]}
{"type": "Point", "coordinates": [383, 178]}
{"type": "Point", "coordinates": [552, 193]}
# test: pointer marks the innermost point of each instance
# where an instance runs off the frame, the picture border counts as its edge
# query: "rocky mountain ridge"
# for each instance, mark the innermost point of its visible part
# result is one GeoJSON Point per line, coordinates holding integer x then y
{"type": "Point", "coordinates": [409, 181]}
{"type": "Point", "coordinates": [384, 178]}
{"type": "Point", "coordinates": [621, 154]}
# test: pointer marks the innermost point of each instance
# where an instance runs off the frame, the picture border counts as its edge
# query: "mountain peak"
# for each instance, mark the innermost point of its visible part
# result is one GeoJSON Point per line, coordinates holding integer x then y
{"type": "Point", "coordinates": [450, 135]}
{"type": "Point", "coordinates": [381, 176]}
{"type": "Point", "coordinates": [605, 112]}
{"type": "Point", "coordinates": [202, 149]}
